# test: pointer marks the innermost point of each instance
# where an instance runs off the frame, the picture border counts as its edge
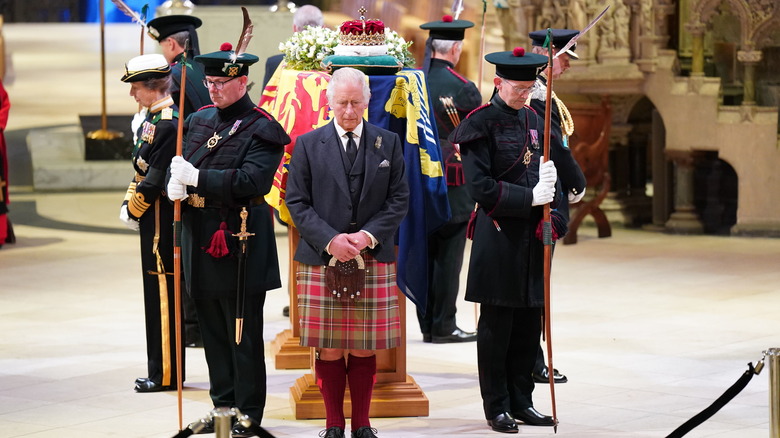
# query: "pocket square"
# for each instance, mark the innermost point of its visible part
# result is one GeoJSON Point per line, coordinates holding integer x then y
{"type": "Point", "coordinates": [384, 163]}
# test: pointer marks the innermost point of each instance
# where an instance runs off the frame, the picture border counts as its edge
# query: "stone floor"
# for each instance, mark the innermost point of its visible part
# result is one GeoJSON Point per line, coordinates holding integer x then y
{"type": "Point", "coordinates": [650, 328]}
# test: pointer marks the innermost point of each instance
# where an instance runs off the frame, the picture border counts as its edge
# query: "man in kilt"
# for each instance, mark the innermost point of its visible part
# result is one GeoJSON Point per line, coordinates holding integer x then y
{"type": "Point", "coordinates": [347, 195]}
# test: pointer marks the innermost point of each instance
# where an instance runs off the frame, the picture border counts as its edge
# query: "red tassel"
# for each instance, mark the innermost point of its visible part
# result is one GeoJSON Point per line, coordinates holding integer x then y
{"type": "Point", "coordinates": [218, 244]}
{"type": "Point", "coordinates": [472, 225]}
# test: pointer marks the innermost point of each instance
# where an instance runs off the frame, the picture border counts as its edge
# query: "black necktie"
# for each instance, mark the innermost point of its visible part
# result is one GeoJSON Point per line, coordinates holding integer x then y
{"type": "Point", "coordinates": [351, 147]}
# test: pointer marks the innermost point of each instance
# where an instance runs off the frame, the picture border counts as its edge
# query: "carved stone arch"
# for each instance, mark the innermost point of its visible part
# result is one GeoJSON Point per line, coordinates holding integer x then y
{"type": "Point", "coordinates": [766, 33]}
{"type": "Point", "coordinates": [705, 9]}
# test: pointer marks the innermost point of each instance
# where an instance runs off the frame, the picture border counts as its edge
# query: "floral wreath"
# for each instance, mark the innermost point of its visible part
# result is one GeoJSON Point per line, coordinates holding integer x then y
{"type": "Point", "coordinates": [305, 49]}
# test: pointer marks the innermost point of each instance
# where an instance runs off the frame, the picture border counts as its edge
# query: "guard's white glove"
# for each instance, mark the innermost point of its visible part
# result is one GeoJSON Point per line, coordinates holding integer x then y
{"type": "Point", "coordinates": [183, 171]}
{"type": "Point", "coordinates": [129, 222]}
{"type": "Point", "coordinates": [176, 190]}
{"type": "Point", "coordinates": [573, 199]}
{"type": "Point", "coordinates": [138, 119]}
{"type": "Point", "coordinates": [544, 191]}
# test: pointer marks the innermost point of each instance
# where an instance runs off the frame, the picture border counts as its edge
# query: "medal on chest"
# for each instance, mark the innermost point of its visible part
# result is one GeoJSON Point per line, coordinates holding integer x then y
{"type": "Point", "coordinates": [216, 137]}
{"type": "Point", "coordinates": [213, 141]}
{"type": "Point", "coordinates": [534, 134]}
{"type": "Point", "coordinates": [147, 134]}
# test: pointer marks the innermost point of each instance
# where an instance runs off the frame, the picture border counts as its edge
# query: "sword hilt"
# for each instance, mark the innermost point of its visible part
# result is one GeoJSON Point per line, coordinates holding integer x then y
{"type": "Point", "coordinates": [243, 234]}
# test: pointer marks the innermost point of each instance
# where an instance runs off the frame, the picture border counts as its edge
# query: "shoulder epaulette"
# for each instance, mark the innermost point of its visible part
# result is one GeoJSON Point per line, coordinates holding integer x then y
{"type": "Point", "coordinates": [457, 75]}
{"type": "Point", "coordinates": [264, 113]}
{"type": "Point", "coordinates": [478, 108]}
{"type": "Point", "coordinates": [206, 106]}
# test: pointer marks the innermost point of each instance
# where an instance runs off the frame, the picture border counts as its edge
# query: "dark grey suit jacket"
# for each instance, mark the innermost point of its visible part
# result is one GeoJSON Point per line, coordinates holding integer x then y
{"type": "Point", "coordinates": [318, 194]}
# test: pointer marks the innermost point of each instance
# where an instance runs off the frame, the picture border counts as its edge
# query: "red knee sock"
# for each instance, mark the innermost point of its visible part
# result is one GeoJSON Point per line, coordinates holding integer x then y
{"type": "Point", "coordinates": [332, 380]}
{"type": "Point", "coordinates": [361, 373]}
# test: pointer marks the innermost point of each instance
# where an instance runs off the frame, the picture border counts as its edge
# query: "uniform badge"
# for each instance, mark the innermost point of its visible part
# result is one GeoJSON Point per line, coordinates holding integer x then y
{"type": "Point", "coordinates": [527, 157]}
{"type": "Point", "coordinates": [147, 134]}
{"type": "Point", "coordinates": [235, 127]}
{"type": "Point", "coordinates": [232, 69]}
{"type": "Point", "coordinates": [166, 114]}
{"type": "Point", "coordinates": [142, 164]}
{"type": "Point", "coordinates": [378, 142]}
{"type": "Point", "coordinates": [213, 141]}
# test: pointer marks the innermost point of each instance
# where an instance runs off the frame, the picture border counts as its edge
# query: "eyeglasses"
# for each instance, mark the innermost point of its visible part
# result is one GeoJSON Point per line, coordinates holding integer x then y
{"type": "Point", "coordinates": [519, 90]}
{"type": "Point", "coordinates": [217, 85]}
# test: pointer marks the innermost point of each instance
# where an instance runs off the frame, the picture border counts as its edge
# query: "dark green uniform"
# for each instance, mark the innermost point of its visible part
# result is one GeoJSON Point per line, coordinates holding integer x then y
{"type": "Point", "coordinates": [446, 245]}
{"type": "Point", "coordinates": [234, 173]}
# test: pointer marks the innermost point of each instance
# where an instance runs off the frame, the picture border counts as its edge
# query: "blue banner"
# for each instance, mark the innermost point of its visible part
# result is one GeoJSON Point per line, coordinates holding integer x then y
{"type": "Point", "coordinates": [400, 104]}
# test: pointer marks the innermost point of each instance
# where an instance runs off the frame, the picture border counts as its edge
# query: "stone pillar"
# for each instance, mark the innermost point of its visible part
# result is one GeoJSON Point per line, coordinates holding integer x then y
{"type": "Point", "coordinates": [684, 219]}
{"type": "Point", "coordinates": [697, 46]}
{"type": "Point", "coordinates": [749, 59]}
{"type": "Point", "coordinates": [620, 173]}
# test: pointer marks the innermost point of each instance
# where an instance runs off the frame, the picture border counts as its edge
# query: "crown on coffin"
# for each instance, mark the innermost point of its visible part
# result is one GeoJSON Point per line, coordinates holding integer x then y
{"type": "Point", "coordinates": [362, 32]}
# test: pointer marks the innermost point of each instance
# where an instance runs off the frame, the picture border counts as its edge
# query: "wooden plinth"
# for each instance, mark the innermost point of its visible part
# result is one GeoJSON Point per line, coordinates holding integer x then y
{"type": "Point", "coordinates": [288, 353]}
{"type": "Point", "coordinates": [389, 399]}
{"type": "Point", "coordinates": [286, 349]}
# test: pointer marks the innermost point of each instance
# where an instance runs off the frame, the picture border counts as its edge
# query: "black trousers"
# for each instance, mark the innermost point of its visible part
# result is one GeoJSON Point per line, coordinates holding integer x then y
{"type": "Point", "coordinates": [159, 308]}
{"type": "Point", "coordinates": [445, 258]}
{"type": "Point", "coordinates": [237, 373]}
{"type": "Point", "coordinates": [507, 342]}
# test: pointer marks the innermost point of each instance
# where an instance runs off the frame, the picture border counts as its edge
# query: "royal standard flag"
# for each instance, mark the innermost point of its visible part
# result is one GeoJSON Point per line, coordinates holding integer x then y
{"type": "Point", "coordinates": [399, 103]}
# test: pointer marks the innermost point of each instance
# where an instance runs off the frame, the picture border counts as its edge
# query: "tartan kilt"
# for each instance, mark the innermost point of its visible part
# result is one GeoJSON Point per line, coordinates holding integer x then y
{"type": "Point", "coordinates": [372, 322]}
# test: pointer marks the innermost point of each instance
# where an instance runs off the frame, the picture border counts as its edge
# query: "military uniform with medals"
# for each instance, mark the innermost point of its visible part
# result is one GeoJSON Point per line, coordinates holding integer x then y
{"type": "Point", "coordinates": [146, 203]}
{"type": "Point", "coordinates": [501, 149]}
{"type": "Point", "coordinates": [236, 150]}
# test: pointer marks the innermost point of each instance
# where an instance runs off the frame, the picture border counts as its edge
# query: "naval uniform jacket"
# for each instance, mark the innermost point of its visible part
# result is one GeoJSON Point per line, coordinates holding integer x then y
{"type": "Point", "coordinates": [569, 172]}
{"type": "Point", "coordinates": [151, 157]}
{"type": "Point", "coordinates": [196, 95]}
{"type": "Point", "coordinates": [319, 193]}
{"type": "Point", "coordinates": [443, 81]}
{"type": "Point", "coordinates": [235, 173]}
{"type": "Point", "coordinates": [506, 267]}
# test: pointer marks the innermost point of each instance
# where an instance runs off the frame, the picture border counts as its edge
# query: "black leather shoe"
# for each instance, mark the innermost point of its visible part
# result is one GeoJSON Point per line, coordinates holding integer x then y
{"type": "Point", "coordinates": [365, 432]}
{"type": "Point", "coordinates": [503, 423]}
{"type": "Point", "coordinates": [532, 417]}
{"type": "Point", "coordinates": [426, 337]}
{"type": "Point", "coordinates": [543, 377]}
{"type": "Point", "coordinates": [147, 385]}
{"type": "Point", "coordinates": [456, 336]}
{"type": "Point", "coordinates": [332, 432]}
{"type": "Point", "coordinates": [239, 431]}
{"type": "Point", "coordinates": [202, 427]}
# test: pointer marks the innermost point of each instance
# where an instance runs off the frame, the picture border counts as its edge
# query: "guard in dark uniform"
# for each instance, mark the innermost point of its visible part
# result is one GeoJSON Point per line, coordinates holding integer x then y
{"type": "Point", "coordinates": [453, 97]}
{"type": "Point", "coordinates": [173, 32]}
{"type": "Point", "coordinates": [146, 209]}
{"type": "Point", "coordinates": [561, 127]}
{"type": "Point", "coordinates": [501, 149]}
{"type": "Point", "coordinates": [231, 152]}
